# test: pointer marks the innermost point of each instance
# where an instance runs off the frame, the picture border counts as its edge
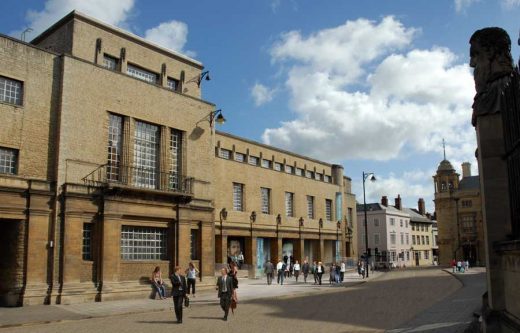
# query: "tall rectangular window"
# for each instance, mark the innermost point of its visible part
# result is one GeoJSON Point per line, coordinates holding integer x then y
{"type": "Point", "coordinates": [87, 241]}
{"type": "Point", "coordinates": [407, 239]}
{"type": "Point", "coordinates": [289, 204]}
{"type": "Point", "coordinates": [392, 221]}
{"type": "Point", "coordinates": [310, 206]}
{"type": "Point", "coordinates": [146, 155]}
{"type": "Point", "coordinates": [328, 210]}
{"type": "Point", "coordinates": [376, 239]}
{"type": "Point", "coordinates": [238, 197]}
{"type": "Point", "coordinates": [350, 217]}
{"type": "Point", "coordinates": [175, 159]}
{"type": "Point", "coordinates": [110, 62]}
{"type": "Point", "coordinates": [11, 91]}
{"type": "Point", "coordinates": [402, 238]}
{"type": "Point", "coordinates": [468, 224]}
{"type": "Point", "coordinates": [376, 222]}
{"type": "Point", "coordinates": [266, 200]}
{"type": "Point", "coordinates": [392, 238]}
{"type": "Point", "coordinates": [401, 223]}
{"type": "Point", "coordinates": [422, 240]}
{"type": "Point", "coordinates": [8, 161]}
{"type": "Point", "coordinates": [427, 240]}
{"type": "Point", "coordinates": [115, 146]}
{"type": "Point", "coordinates": [413, 240]}
{"type": "Point", "coordinates": [172, 84]}
{"type": "Point", "coordinates": [142, 74]}
{"type": "Point", "coordinates": [194, 245]}
{"type": "Point", "coordinates": [143, 243]}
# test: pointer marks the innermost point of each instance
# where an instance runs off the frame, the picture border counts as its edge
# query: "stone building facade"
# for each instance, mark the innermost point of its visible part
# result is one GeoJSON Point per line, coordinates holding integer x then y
{"type": "Point", "coordinates": [108, 169]}
{"type": "Point", "coordinates": [100, 168]}
{"type": "Point", "coordinates": [272, 204]}
{"type": "Point", "coordinates": [422, 235]}
{"type": "Point", "coordinates": [389, 231]}
{"type": "Point", "coordinates": [458, 208]}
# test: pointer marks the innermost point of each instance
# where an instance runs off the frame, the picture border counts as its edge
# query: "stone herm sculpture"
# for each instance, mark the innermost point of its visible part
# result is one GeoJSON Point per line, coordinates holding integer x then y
{"type": "Point", "coordinates": [491, 59]}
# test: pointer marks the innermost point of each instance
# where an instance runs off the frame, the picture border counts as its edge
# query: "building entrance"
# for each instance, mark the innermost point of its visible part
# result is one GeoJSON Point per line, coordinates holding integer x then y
{"type": "Point", "coordinates": [12, 253]}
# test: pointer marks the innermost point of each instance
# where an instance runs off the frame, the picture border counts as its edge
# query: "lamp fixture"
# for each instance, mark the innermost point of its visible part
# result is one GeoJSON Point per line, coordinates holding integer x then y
{"type": "Point", "coordinates": [198, 78]}
{"type": "Point", "coordinates": [214, 117]}
{"type": "Point", "coordinates": [301, 220]}
{"type": "Point", "coordinates": [223, 214]}
{"type": "Point", "coordinates": [252, 218]}
{"type": "Point", "coordinates": [279, 219]}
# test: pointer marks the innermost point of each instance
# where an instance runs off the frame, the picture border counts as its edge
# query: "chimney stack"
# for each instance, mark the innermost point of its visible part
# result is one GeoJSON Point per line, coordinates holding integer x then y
{"type": "Point", "coordinates": [398, 202]}
{"type": "Point", "coordinates": [421, 207]}
{"type": "Point", "coordinates": [384, 200]}
{"type": "Point", "coordinates": [466, 169]}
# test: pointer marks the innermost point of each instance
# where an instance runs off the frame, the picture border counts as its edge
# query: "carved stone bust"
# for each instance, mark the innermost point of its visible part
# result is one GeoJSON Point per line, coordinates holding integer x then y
{"type": "Point", "coordinates": [490, 56]}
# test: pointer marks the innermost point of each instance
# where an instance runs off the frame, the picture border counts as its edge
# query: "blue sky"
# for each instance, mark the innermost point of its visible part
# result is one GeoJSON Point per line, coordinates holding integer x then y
{"type": "Point", "coordinates": [373, 85]}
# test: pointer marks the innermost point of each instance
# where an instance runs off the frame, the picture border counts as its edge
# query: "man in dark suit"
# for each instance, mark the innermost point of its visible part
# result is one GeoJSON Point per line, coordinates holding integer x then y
{"type": "Point", "coordinates": [269, 271]}
{"type": "Point", "coordinates": [225, 291]}
{"type": "Point", "coordinates": [179, 288]}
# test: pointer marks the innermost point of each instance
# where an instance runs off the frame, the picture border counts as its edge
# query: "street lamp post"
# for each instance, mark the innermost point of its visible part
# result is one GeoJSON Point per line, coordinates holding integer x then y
{"type": "Point", "coordinates": [372, 178]}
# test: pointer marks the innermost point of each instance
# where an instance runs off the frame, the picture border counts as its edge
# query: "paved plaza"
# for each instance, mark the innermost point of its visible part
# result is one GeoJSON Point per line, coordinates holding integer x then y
{"type": "Point", "coordinates": [413, 300]}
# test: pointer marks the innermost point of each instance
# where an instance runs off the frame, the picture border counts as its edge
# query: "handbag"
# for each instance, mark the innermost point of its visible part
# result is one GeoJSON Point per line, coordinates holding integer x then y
{"type": "Point", "coordinates": [186, 301]}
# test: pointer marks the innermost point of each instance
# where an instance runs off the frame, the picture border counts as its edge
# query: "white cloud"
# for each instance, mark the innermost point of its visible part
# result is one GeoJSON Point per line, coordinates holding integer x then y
{"type": "Point", "coordinates": [172, 34]}
{"type": "Point", "coordinates": [462, 5]}
{"type": "Point", "coordinates": [358, 91]}
{"type": "Point", "coordinates": [510, 4]}
{"type": "Point", "coordinates": [262, 94]}
{"type": "Point", "coordinates": [113, 12]}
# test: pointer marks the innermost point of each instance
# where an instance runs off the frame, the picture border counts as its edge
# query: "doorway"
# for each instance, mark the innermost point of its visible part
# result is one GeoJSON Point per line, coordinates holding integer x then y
{"type": "Point", "coordinates": [12, 253]}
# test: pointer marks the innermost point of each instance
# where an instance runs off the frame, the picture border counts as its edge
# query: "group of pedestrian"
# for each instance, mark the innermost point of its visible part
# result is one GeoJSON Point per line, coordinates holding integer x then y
{"type": "Point", "coordinates": [337, 273]}
{"type": "Point", "coordinates": [183, 284]}
{"type": "Point", "coordinates": [459, 266]}
{"type": "Point", "coordinates": [316, 269]}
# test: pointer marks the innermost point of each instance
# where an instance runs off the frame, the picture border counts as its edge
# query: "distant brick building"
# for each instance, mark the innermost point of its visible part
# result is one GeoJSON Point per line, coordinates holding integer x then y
{"type": "Point", "coordinates": [108, 169]}
{"type": "Point", "coordinates": [458, 208]}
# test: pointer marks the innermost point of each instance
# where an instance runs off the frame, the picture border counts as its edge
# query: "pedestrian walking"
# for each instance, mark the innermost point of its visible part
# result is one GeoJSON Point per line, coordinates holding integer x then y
{"type": "Point", "coordinates": [359, 267]}
{"type": "Point", "coordinates": [296, 269]}
{"type": "Point", "coordinates": [319, 271]}
{"type": "Point", "coordinates": [179, 287]}
{"type": "Point", "coordinates": [305, 270]}
{"type": "Point", "coordinates": [191, 273]}
{"type": "Point", "coordinates": [466, 265]}
{"type": "Point", "coordinates": [233, 274]}
{"type": "Point", "coordinates": [453, 265]}
{"type": "Point", "coordinates": [158, 282]}
{"type": "Point", "coordinates": [280, 270]}
{"type": "Point", "coordinates": [337, 273]}
{"type": "Point", "coordinates": [342, 271]}
{"type": "Point", "coordinates": [269, 271]}
{"type": "Point", "coordinates": [240, 260]}
{"type": "Point", "coordinates": [225, 291]}
{"type": "Point", "coordinates": [332, 273]}
{"type": "Point", "coordinates": [459, 265]}
{"type": "Point", "coordinates": [314, 271]}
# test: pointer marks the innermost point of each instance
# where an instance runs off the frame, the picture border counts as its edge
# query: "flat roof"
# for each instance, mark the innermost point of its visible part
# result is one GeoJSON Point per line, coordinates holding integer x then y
{"type": "Point", "coordinates": [140, 40]}
{"type": "Point", "coordinates": [275, 148]}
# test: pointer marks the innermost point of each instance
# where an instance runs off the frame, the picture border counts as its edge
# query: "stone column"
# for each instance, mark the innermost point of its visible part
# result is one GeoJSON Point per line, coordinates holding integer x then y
{"type": "Point", "coordinates": [207, 256]}
{"type": "Point", "coordinates": [72, 248]}
{"type": "Point", "coordinates": [321, 251]}
{"type": "Point", "coordinates": [184, 243]}
{"type": "Point", "coordinates": [250, 256]}
{"type": "Point", "coordinates": [276, 249]}
{"type": "Point", "coordinates": [495, 200]}
{"type": "Point", "coordinates": [299, 253]}
{"type": "Point", "coordinates": [111, 256]}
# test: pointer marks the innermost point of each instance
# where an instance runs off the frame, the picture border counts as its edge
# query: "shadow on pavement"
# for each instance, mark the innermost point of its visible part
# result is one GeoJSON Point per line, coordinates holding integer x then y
{"type": "Point", "coordinates": [380, 304]}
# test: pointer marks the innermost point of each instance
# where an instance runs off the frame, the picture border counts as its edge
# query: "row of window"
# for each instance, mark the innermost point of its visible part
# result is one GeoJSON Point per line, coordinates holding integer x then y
{"type": "Point", "coordinates": [268, 164]}
{"type": "Point", "coordinates": [420, 227]}
{"type": "Point", "coordinates": [265, 201]}
{"type": "Point", "coordinates": [140, 243]}
{"type": "Point", "coordinates": [466, 203]}
{"type": "Point", "coordinates": [420, 240]}
{"type": "Point", "coordinates": [402, 223]}
{"type": "Point", "coordinates": [146, 159]}
{"type": "Point", "coordinates": [112, 63]}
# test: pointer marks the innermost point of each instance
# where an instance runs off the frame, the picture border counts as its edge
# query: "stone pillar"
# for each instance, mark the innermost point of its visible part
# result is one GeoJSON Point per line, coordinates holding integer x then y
{"type": "Point", "coordinates": [36, 273]}
{"type": "Point", "coordinates": [111, 256]}
{"type": "Point", "coordinates": [207, 255]}
{"type": "Point", "coordinates": [250, 256]}
{"type": "Point", "coordinates": [495, 200]}
{"type": "Point", "coordinates": [299, 253]}
{"type": "Point", "coordinates": [321, 251]}
{"type": "Point", "coordinates": [184, 243]}
{"type": "Point", "coordinates": [276, 249]}
{"type": "Point", "coordinates": [72, 249]}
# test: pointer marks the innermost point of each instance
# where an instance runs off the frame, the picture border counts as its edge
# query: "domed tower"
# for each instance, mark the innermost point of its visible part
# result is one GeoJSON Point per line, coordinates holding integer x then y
{"type": "Point", "coordinates": [446, 182]}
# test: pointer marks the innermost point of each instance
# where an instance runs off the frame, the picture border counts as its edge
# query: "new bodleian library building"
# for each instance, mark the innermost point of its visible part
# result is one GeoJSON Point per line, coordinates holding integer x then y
{"type": "Point", "coordinates": [110, 165]}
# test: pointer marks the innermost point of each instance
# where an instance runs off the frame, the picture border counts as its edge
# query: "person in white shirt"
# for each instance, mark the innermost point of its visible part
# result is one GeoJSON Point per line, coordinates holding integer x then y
{"type": "Point", "coordinates": [280, 270]}
{"type": "Point", "coordinates": [342, 271]}
{"type": "Point", "coordinates": [320, 270]}
{"type": "Point", "coordinates": [296, 269]}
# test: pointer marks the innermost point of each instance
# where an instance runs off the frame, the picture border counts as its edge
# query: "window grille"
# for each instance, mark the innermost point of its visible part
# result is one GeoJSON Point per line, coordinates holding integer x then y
{"type": "Point", "coordinates": [11, 91]}
{"type": "Point", "coordinates": [143, 243]}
